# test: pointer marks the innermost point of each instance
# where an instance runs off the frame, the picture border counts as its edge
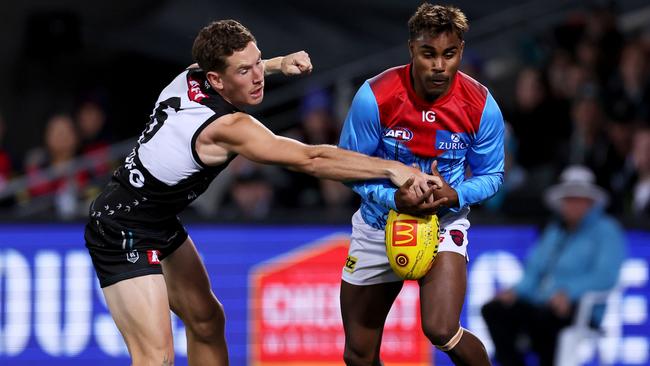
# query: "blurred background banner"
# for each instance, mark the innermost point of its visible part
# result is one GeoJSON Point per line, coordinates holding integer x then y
{"type": "Point", "coordinates": [279, 286]}
{"type": "Point", "coordinates": [296, 318]}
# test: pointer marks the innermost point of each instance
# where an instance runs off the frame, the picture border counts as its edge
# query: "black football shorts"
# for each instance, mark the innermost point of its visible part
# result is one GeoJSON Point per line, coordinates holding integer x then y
{"type": "Point", "coordinates": [127, 244]}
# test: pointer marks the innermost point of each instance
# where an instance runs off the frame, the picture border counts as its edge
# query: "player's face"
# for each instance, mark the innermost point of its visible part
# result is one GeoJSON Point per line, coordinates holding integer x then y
{"type": "Point", "coordinates": [242, 82]}
{"type": "Point", "coordinates": [435, 62]}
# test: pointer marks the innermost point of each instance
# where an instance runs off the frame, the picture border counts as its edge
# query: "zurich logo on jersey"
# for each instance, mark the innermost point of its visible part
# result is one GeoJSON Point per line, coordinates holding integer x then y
{"type": "Point", "coordinates": [399, 133]}
{"type": "Point", "coordinates": [446, 140]}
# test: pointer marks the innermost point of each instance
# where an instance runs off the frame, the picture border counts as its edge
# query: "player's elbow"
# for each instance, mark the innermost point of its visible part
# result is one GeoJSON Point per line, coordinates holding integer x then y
{"type": "Point", "coordinates": [311, 161]}
{"type": "Point", "coordinates": [498, 179]}
{"type": "Point", "coordinates": [307, 166]}
{"type": "Point", "coordinates": [496, 182]}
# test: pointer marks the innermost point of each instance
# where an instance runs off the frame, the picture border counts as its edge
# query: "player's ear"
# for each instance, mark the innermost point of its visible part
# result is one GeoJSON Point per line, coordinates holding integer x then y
{"type": "Point", "coordinates": [410, 48]}
{"type": "Point", "coordinates": [462, 47]}
{"type": "Point", "coordinates": [215, 79]}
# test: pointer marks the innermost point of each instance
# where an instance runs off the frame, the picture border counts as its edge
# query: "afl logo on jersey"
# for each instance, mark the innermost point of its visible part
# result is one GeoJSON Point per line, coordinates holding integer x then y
{"type": "Point", "coordinates": [399, 133]}
{"type": "Point", "coordinates": [194, 91]}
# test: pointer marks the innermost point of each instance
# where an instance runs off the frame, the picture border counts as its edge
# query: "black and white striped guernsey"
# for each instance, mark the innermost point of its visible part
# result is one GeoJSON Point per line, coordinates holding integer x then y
{"type": "Point", "coordinates": [164, 172]}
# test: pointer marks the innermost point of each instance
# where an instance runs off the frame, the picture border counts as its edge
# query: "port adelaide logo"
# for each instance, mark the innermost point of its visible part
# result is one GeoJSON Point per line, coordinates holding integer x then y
{"type": "Point", "coordinates": [399, 133]}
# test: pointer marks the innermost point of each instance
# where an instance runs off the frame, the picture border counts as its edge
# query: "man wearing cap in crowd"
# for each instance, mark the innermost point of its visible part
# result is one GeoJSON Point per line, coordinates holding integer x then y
{"type": "Point", "coordinates": [581, 250]}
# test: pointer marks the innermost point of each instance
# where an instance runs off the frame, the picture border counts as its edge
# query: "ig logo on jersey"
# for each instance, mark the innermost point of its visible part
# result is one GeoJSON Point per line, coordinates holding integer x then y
{"type": "Point", "coordinates": [399, 133]}
{"type": "Point", "coordinates": [428, 116]}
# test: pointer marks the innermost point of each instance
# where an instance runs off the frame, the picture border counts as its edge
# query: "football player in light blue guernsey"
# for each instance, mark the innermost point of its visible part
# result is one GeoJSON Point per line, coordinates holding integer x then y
{"type": "Point", "coordinates": [430, 115]}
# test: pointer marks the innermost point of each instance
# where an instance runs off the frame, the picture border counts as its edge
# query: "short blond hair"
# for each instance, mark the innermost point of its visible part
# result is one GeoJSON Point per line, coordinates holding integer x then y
{"type": "Point", "coordinates": [431, 20]}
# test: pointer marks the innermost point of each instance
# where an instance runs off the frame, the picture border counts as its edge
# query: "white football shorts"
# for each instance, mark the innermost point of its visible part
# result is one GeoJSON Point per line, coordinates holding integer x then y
{"type": "Point", "coordinates": [367, 263]}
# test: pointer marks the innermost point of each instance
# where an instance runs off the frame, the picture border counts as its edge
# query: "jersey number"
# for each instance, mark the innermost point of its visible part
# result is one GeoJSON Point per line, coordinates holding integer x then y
{"type": "Point", "coordinates": [136, 178]}
{"type": "Point", "coordinates": [159, 117]}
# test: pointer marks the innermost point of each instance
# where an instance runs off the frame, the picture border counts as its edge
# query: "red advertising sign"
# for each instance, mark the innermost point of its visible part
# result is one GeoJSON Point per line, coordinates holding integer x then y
{"type": "Point", "coordinates": [295, 314]}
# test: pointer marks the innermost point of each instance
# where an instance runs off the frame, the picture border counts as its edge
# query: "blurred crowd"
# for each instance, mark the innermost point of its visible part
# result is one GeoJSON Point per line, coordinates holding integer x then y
{"type": "Point", "coordinates": [63, 173]}
{"type": "Point", "coordinates": [581, 95]}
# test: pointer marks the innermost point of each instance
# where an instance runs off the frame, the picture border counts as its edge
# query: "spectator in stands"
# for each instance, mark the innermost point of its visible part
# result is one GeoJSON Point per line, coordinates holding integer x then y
{"type": "Point", "coordinates": [252, 195]}
{"type": "Point", "coordinates": [252, 189]}
{"type": "Point", "coordinates": [50, 169]}
{"type": "Point", "coordinates": [602, 30]}
{"type": "Point", "coordinates": [317, 126]}
{"type": "Point", "coordinates": [513, 181]}
{"type": "Point", "coordinates": [95, 139]}
{"type": "Point", "coordinates": [589, 144]}
{"type": "Point", "coordinates": [558, 70]}
{"type": "Point", "coordinates": [578, 79]}
{"type": "Point", "coordinates": [588, 55]}
{"type": "Point", "coordinates": [94, 135]}
{"type": "Point", "coordinates": [641, 159]}
{"type": "Point", "coordinates": [538, 121]}
{"type": "Point", "coordinates": [5, 160]}
{"type": "Point", "coordinates": [582, 251]}
{"type": "Point", "coordinates": [622, 173]}
{"type": "Point", "coordinates": [629, 87]}
{"type": "Point", "coordinates": [6, 170]}
{"type": "Point", "coordinates": [592, 38]}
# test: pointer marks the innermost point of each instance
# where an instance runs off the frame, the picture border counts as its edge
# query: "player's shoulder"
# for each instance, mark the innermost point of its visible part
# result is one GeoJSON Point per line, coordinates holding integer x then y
{"type": "Point", "coordinates": [392, 75]}
{"type": "Point", "coordinates": [188, 87]}
{"type": "Point", "coordinates": [231, 119]}
{"type": "Point", "coordinates": [389, 83]}
{"type": "Point", "coordinates": [195, 92]}
{"type": "Point", "coordinates": [228, 127]}
{"type": "Point", "coordinates": [471, 90]}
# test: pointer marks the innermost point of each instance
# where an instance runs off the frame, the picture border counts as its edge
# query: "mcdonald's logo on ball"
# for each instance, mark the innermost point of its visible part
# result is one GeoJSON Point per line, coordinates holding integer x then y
{"type": "Point", "coordinates": [411, 244]}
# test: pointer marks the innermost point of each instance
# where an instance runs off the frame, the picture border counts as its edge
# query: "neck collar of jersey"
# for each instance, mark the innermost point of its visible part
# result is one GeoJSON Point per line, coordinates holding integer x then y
{"type": "Point", "coordinates": [408, 81]}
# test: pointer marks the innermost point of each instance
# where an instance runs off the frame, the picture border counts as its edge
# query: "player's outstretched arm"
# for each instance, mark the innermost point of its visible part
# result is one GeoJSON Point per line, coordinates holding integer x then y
{"type": "Point", "coordinates": [240, 133]}
{"type": "Point", "coordinates": [296, 63]}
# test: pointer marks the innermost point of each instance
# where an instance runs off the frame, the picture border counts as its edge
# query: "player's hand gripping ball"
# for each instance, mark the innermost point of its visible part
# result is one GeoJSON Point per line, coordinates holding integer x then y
{"type": "Point", "coordinates": [411, 244]}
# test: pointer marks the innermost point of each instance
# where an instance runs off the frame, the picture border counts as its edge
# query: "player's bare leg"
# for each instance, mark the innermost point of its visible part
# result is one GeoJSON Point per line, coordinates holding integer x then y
{"type": "Point", "coordinates": [364, 310]}
{"type": "Point", "coordinates": [442, 292]}
{"type": "Point", "coordinates": [192, 299]}
{"type": "Point", "coordinates": [140, 309]}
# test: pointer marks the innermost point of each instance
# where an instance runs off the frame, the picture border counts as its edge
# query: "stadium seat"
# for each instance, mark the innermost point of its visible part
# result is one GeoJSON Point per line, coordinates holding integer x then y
{"type": "Point", "coordinates": [577, 342]}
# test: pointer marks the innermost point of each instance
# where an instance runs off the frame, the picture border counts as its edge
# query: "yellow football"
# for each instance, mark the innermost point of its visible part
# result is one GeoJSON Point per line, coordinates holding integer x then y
{"type": "Point", "coordinates": [411, 244]}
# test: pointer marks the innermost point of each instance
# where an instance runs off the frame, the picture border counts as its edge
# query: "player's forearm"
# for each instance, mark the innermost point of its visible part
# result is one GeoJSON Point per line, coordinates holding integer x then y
{"type": "Point", "coordinates": [272, 65]}
{"type": "Point", "coordinates": [380, 192]}
{"type": "Point", "coordinates": [478, 189]}
{"type": "Point", "coordinates": [330, 162]}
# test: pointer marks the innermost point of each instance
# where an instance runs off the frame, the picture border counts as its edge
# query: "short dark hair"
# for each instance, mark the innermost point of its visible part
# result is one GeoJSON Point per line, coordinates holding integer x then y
{"type": "Point", "coordinates": [218, 40]}
{"type": "Point", "coordinates": [431, 20]}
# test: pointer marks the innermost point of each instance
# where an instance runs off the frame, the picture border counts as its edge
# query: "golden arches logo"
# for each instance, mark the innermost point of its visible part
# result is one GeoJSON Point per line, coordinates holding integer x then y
{"type": "Point", "coordinates": [405, 233]}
